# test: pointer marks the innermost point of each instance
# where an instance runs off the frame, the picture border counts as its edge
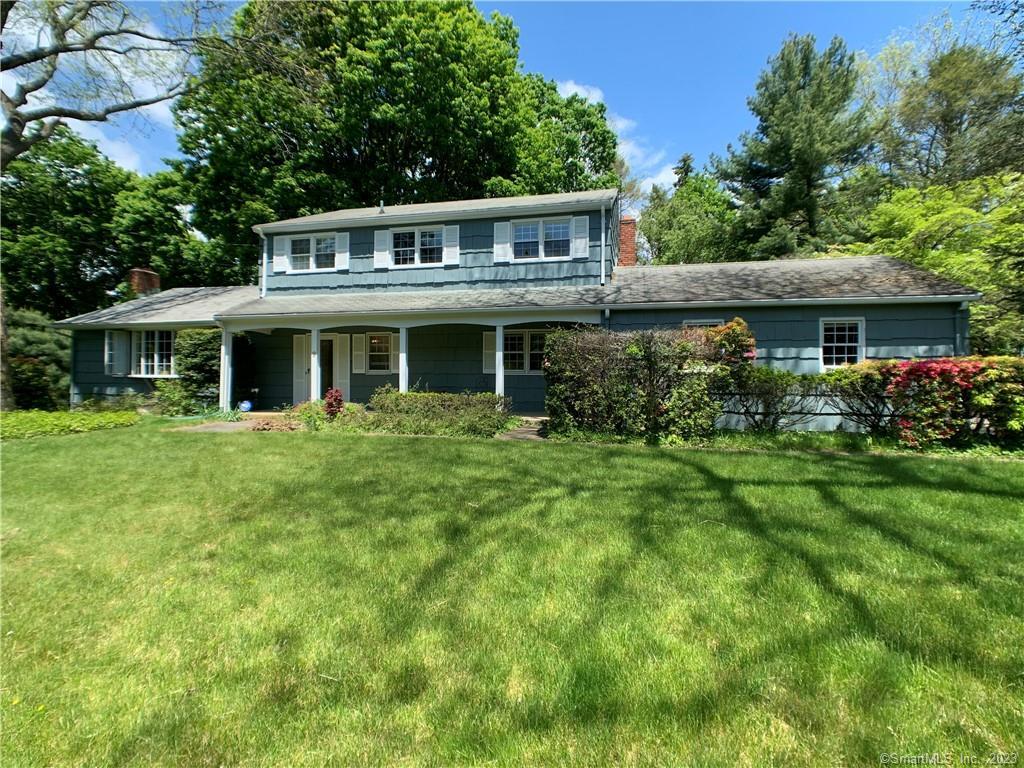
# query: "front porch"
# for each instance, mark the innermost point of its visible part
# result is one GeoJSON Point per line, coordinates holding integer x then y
{"type": "Point", "coordinates": [281, 366]}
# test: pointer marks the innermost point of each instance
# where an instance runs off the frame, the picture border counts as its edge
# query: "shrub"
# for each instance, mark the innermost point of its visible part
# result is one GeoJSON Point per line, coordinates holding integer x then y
{"type": "Point", "coordinates": [39, 356]}
{"type": "Point", "coordinates": [860, 394]}
{"type": "Point", "coordinates": [22, 424]}
{"type": "Point", "coordinates": [334, 404]}
{"type": "Point", "coordinates": [770, 399]}
{"type": "Point", "coordinates": [956, 400]}
{"type": "Point", "coordinates": [173, 399]}
{"type": "Point", "coordinates": [692, 409]}
{"type": "Point", "coordinates": [129, 401]}
{"type": "Point", "coordinates": [480, 414]}
{"type": "Point", "coordinates": [622, 383]}
{"type": "Point", "coordinates": [311, 415]}
{"type": "Point", "coordinates": [197, 362]}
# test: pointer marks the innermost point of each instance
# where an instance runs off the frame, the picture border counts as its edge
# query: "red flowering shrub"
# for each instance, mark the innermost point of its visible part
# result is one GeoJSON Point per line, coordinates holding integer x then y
{"type": "Point", "coordinates": [733, 343]}
{"type": "Point", "coordinates": [952, 400]}
{"type": "Point", "coordinates": [334, 404]}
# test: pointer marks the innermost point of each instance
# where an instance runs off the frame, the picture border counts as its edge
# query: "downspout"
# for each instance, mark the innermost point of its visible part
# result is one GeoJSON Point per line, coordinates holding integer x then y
{"type": "Point", "coordinates": [603, 254]}
{"type": "Point", "coordinates": [263, 264]}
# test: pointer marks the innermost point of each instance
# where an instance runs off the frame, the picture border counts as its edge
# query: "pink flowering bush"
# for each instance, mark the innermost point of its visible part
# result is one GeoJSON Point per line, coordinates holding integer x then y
{"type": "Point", "coordinates": [954, 400]}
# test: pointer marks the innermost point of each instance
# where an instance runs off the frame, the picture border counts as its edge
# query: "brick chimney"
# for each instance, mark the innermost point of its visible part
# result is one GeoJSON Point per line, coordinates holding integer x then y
{"type": "Point", "coordinates": [144, 281]}
{"type": "Point", "coordinates": [627, 242]}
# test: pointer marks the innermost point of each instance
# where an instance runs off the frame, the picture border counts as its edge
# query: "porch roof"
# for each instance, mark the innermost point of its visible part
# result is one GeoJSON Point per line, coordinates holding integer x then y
{"type": "Point", "coordinates": [854, 280]}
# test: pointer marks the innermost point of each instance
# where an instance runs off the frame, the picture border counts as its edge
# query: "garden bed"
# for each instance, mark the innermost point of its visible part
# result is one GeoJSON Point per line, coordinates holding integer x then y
{"type": "Point", "coordinates": [16, 425]}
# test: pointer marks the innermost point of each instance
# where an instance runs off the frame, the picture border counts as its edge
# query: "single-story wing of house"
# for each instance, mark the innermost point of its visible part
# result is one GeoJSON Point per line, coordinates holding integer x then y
{"type": "Point", "coordinates": [457, 296]}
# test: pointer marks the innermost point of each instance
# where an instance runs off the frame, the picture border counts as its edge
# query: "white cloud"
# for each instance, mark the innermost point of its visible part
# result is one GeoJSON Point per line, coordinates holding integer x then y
{"type": "Point", "coordinates": [641, 158]}
{"type": "Point", "coordinates": [591, 93]}
{"type": "Point", "coordinates": [663, 178]}
{"type": "Point", "coordinates": [620, 124]}
{"type": "Point", "coordinates": [118, 150]}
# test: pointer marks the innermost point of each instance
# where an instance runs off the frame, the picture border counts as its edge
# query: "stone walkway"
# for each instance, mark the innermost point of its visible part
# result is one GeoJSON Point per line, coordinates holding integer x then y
{"type": "Point", "coordinates": [530, 428]}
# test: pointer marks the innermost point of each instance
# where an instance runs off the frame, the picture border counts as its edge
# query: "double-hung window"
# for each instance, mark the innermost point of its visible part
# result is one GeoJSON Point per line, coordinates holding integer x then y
{"type": "Point", "coordinates": [541, 239]}
{"type": "Point", "coordinates": [378, 352]}
{"type": "Point", "coordinates": [524, 351]}
{"type": "Point", "coordinates": [324, 252]}
{"type": "Point", "coordinates": [417, 246]}
{"type": "Point", "coordinates": [300, 253]}
{"type": "Point", "coordinates": [842, 342]}
{"type": "Point", "coordinates": [153, 353]}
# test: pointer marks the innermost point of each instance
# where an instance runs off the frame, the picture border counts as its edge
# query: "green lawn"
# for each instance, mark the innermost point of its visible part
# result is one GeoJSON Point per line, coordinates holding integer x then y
{"type": "Point", "coordinates": [308, 599]}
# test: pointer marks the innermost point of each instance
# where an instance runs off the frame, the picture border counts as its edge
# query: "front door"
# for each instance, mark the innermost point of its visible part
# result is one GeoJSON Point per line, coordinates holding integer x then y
{"type": "Point", "coordinates": [335, 365]}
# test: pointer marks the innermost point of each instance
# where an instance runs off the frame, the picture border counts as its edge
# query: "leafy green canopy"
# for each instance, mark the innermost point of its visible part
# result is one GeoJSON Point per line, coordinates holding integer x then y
{"type": "Point", "coordinates": [74, 223]}
{"type": "Point", "coordinates": [362, 102]}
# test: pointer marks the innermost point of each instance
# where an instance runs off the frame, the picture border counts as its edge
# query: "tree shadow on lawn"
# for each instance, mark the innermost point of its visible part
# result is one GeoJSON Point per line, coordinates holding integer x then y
{"type": "Point", "coordinates": [454, 511]}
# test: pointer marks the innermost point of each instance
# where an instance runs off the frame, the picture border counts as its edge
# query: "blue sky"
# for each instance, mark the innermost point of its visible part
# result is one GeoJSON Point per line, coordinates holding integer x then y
{"type": "Point", "coordinates": [675, 76]}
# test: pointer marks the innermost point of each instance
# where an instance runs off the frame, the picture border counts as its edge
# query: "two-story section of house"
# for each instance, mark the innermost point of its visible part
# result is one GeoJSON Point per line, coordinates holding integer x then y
{"type": "Point", "coordinates": [458, 296]}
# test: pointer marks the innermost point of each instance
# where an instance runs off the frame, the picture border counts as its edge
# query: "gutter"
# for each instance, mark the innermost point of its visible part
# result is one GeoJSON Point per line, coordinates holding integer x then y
{"type": "Point", "coordinates": [603, 254]}
{"type": "Point", "coordinates": [391, 219]}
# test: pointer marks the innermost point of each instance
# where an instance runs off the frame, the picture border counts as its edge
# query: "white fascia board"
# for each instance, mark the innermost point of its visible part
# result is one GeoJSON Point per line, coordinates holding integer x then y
{"type": "Point", "coordinates": [387, 220]}
{"type": "Point", "coordinates": [137, 325]}
{"type": "Point", "coordinates": [412, 320]}
{"type": "Point", "coordinates": [937, 299]}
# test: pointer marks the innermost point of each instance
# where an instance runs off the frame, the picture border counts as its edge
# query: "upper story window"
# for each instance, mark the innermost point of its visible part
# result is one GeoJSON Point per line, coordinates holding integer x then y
{"type": "Point", "coordinates": [526, 241]}
{"type": "Point", "coordinates": [417, 246]}
{"type": "Point", "coordinates": [300, 251]}
{"type": "Point", "coordinates": [842, 342]}
{"type": "Point", "coordinates": [545, 239]}
{"type": "Point", "coordinates": [324, 256]}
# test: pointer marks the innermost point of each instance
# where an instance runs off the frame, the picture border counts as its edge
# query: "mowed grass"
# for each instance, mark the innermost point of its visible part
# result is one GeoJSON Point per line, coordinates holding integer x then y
{"type": "Point", "coordinates": [323, 599]}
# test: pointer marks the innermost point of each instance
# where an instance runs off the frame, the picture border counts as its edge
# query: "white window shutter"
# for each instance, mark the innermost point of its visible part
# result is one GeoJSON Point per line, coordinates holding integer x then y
{"type": "Point", "coordinates": [502, 242]}
{"type": "Point", "coordinates": [341, 250]}
{"type": "Point", "coordinates": [451, 246]}
{"type": "Point", "coordinates": [581, 237]}
{"type": "Point", "coordinates": [381, 249]}
{"type": "Point", "coordinates": [281, 243]}
{"type": "Point", "coordinates": [394, 353]}
{"type": "Point", "coordinates": [358, 353]}
{"type": "Point", "coordinates": [489, 351]}
{"type": "Point", "coordinates": [122, 353]}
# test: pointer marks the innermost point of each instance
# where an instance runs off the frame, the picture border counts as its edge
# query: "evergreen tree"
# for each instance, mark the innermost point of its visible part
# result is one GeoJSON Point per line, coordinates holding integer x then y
{"type": "Point", "coordinates": [809, 134]}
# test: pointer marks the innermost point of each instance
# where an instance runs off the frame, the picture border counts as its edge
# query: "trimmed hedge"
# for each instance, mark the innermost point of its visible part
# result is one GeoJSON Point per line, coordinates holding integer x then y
{"type": "Point", "coordinates": [21, 424]}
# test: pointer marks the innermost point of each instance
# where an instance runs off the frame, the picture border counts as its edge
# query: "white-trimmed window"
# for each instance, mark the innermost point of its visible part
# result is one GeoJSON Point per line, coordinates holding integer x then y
{"type": "Point", "coordinates": [299, 250]}
{"type": "Point", "coordinates": [323, 252]}
{"type": "Point", "coordinates": [842, 341]}
{"type": "Point", "coordinates": [702, 323]}
{"type": "Point", "coordinates": [378, 353]}
{"type": "Point", "coordinates": [152, 353]}
{"type": "Point", "coordinates": [415, 247]}
{"type": "Point", "coordinates": [542, 239]}
{"type": "Point", "coordinates": [524, 351]}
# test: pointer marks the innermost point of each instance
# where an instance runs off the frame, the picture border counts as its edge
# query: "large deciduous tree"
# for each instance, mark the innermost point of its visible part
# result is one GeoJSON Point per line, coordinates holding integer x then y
{"type": "Point", "coordinates": [400, 102]}
{"type": "Point", "coordinates": [809, 134]}
{"type": "Point", "coordinates": [90, 60]}
{"type": "Point", "coordinates": [690, 224]}
{"type": "Point", "coordinates": [59, 254]}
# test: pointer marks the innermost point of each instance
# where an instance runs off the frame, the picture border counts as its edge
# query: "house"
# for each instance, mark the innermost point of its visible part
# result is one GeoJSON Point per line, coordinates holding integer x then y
{"type": "Point", "coordinates": [457, 296]}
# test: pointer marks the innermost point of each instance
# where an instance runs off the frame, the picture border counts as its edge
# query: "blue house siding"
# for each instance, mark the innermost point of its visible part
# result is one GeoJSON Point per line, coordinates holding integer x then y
{"type": "Point", "coordinates": [88, 379]}
{"type": "Point", "coordinates": [789, 337]}
{"type": "Point", "coordinates": [476, 268]}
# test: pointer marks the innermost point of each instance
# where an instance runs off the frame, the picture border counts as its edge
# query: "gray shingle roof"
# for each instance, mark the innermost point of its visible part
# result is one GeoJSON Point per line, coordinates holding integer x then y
{"type": "Point", "coordinates": [175, 306]}
{"type": "Point", "coordinates": [861, 277]}
{"type": "Point", "coordinates": [462, 209]}
{"type": "Point", "coordinates": [858, 279]}
{"type": "Point", "coordinates": [850, 279]}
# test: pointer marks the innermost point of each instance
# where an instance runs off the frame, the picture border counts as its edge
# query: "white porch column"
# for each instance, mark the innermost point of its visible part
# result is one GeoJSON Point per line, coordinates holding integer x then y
{"type": "Point", "coordinates": [403, 359]}
{"type": "Point", "coordinates": [314, 364]}
{"type": "Point", "coordinates": [225, 370]}
{"type": "Point", "coordinates": [499, 360]}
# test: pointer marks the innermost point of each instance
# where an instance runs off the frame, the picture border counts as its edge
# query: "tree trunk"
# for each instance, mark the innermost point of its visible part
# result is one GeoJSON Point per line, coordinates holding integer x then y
{"type": "Point", "coordinates": [6, 397]}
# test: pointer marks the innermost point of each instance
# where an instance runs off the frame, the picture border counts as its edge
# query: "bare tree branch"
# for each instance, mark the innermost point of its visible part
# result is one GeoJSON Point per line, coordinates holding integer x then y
{"type": "Point", "coordinates": [99, 115]}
